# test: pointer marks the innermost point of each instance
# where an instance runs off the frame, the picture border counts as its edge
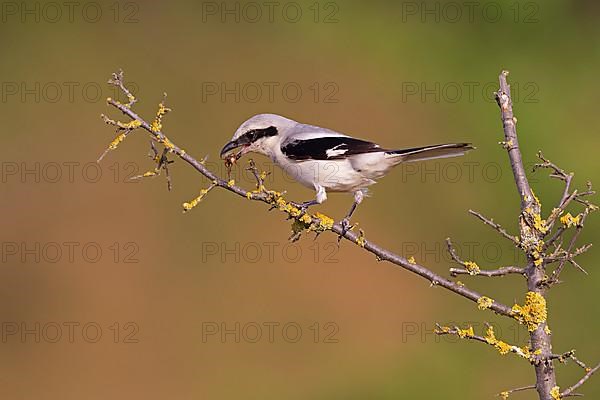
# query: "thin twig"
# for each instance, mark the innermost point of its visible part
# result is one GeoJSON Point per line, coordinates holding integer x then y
{"type": "Point", "coordinates": [558, 173]}
{"type": "Point", "coordinates": [502, 271]}
{"type": "Point", "coordinates": [569, 391]}
{"type": "Point", "coordinates": [471, 268]}
{"type": "Point", "coordinates": [506, 393]}
{"type": "Point", "coordinates": [569, 355]}
{"type": "Point", "coordinates": [492, 341]}
{"type": "Point", "coordinates": [554, 278]}
{"type": "Point", "coordinates": [496, 226]}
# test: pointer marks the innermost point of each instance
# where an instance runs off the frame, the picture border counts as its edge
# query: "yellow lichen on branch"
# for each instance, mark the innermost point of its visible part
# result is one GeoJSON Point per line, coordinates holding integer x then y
{"type": "Point", "coordinates": [325, 222]}
{"type": "Point", "coordinates": [361, 240]}
{"type": "Point", "coordinates": [489, 338]}
{"type": "Point", "coordinates": [505, 348]}
{"type": "Point", "coordinates": [484, 302]}
{"type": "Point", "coordinates": [193, 203]}
{"type": "Point", "coordinates": [568, 220]}
{"type": "Point", "coordinates": [156, 125]}
{"type": "Point", "coordinates": [502, 347]}
{"type": "Point", "coordinates": [472, 267]}
{"type": "Point", "coordinates": [124, 127]}
{"type": "Point", "coordinates": [465, 333]}
{"type": "Point", "coordinates": [533, 312]}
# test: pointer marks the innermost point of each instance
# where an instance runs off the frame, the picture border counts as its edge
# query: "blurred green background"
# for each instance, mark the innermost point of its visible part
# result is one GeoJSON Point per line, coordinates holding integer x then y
{"type": "Point", "coordinates": [400, 73]}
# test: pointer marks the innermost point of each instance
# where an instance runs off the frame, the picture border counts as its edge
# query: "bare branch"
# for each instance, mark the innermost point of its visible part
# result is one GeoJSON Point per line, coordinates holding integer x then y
{"type": "Point", "coordinates": [569, 355]}
{"type": "Point", "coordinates": [555, 236]}
{"type": "Point", "coordinates": [557, 173]}
{"type": "Point", "coordinates": [554, 278]}
{"type": "Point", "coordinates": [503, 271]}
{"type": "Point", "coordinates": [570, 390]}
{"type": "Point", "coordinates": [496, 226]}
{"type": "Point", "coordinates": [506, 393]}
{"type": "Point", "coordinates": [509, 123]}
{"type": "Point", "coordinates": [118, 81]}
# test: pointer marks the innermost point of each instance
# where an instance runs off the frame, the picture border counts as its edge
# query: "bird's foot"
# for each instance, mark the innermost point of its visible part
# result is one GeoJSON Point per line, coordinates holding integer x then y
{"type": "Point", "coordinates": [345, 223]}
{"type": "Point", "coordinates": [303, 207]}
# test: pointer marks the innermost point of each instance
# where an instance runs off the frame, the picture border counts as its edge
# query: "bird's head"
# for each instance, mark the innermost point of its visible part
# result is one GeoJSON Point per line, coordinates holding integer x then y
{"type": "Point", "coordinates": [259, 134]}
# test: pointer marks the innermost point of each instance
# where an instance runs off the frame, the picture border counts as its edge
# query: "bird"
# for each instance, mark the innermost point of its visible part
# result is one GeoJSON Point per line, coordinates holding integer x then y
{"type": "Point", "coordinates": [325, 160]}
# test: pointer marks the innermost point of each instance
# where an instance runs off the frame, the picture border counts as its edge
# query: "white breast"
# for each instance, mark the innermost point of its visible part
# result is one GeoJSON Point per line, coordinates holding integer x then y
{"type": "Point", "coordinates": [333, 175]}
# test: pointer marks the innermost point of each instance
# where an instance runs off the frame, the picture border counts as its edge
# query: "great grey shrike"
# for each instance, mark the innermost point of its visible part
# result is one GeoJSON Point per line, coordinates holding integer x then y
{"type": "Point", "coordinates": [323, 159]}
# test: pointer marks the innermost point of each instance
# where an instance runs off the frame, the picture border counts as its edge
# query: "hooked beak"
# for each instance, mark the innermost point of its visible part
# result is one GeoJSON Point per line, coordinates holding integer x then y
{"type": "Point", "coordinates": [234, 144]}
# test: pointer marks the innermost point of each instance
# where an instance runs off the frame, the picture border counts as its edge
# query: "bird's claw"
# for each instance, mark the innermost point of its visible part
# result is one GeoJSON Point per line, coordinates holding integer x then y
{"type": "Point", "coordinates": [303, 207]}
{"type": "Point", "coordinates": [345, 224]}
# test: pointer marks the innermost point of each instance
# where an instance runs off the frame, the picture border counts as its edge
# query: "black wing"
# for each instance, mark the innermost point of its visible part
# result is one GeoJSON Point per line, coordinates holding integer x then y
{"type": "Point", "coordinates": [327, 148]}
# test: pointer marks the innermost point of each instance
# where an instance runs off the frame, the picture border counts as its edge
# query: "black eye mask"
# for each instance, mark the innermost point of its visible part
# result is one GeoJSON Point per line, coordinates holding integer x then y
{"type": "Point", "coordinates": [255, 134]}
{"type": "Point", "coordinates": [248, 138]}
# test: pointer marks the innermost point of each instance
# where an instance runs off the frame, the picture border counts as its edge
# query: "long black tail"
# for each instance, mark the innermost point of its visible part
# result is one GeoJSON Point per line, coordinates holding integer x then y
{"type": "Point", "coordinates": [432, 152]}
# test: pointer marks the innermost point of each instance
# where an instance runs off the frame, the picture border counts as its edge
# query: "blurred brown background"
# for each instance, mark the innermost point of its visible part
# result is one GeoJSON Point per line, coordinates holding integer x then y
{"type": "Point", "coordinates": [109, 291]}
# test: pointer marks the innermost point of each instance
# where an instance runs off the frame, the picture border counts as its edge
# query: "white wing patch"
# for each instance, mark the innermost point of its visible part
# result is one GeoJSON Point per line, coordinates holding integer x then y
{"type": "Point", "coordinates": [336, 151]}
